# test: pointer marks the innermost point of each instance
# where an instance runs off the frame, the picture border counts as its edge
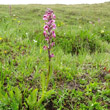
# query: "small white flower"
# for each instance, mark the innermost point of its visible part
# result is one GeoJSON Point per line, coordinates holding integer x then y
{"type": "Point", "coordinates": [80, 27]}
{"type": "Point", "coordinates": [92, 104]}
{"type": "Point", "coordinates": [35, 41]}
{"type": "Point", "coordinates": [26, 33]}
{"type": "Point", "coordinates": [102, 31]}
{"type": "Point", "coordinates": [14, 15]}
{"type": "Point", "coordinates": [98, 90]}
{"type": "Point", "coordinates": [36, 67]}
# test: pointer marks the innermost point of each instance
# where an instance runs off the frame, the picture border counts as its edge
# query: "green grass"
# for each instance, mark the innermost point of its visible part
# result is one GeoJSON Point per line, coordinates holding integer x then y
{"type": "Point", "coordinates": [80, 77]}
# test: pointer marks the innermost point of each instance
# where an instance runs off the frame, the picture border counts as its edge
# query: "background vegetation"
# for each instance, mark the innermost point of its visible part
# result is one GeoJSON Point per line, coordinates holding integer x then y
{"type": "Point", "coordinates": [81, 66]}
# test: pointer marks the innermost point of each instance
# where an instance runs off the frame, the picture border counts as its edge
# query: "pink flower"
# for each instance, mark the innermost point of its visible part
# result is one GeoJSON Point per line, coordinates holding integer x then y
{"type": "Point", "coordinates": [46, 27]}
{"type": "Point", "coordinates": [52, 55]}
{"type": "Point", "coordinates": [47, 38]}
{"type": "Point", "coordinates": [49, 13]}
{"type": "Point", "coordinates": [52, 44]}
{"type": "Point", "coordinates": [53, 34]}
{"type": "Point", "coordinates": [50, 22]}
{"type": "Point", "coordinates": [44, 33]}
{"type": "Point", "coordinates": [54, 26]}
{"type": "Point", "coordinates": [54, 17]}
{"type": "Point", "coordinates": [45, 17]}
{"type": "Point", "coordinates": [45, 47]}
{"type": "Point", "coordinates": [53, 21]}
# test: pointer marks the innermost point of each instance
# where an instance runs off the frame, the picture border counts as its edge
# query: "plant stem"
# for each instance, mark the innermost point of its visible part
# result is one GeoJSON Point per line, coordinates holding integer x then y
{"type": "Point", "coordinates": [49, 61]}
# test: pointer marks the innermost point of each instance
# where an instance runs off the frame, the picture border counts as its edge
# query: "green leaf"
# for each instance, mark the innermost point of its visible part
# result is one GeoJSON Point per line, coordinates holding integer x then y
{"type": "Point", "coordinates": [49, 93]}
{"type": "Point", "coordinates": [32, 99]}
{"type": "Point", "coordinates": [43, 83]}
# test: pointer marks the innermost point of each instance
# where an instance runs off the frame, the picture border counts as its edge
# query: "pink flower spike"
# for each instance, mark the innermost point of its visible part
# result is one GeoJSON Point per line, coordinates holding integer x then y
{"type": "Point", "coordinates": [46, 27]}
{"type": "Point", "coordinates": [54, 26]}
{"type": "Point", "coordinates": [52, 55]}
{"type": "Point", "coordinates": [54, 17]}
{"type": "Point", "coordinates": [53, 34]}
{"type": "Point", "coordinates": [45, 47]}
{"type": "Point", "coordinates": [52, 44]}
{"type": "Point", "coordinates": [44, 33]}
{"type": "Point", "coordinates": [45, 17]}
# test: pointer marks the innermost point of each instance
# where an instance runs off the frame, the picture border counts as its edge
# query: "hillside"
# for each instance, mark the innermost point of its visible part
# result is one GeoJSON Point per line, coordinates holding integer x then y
{"type": "Point", "coordinates": [80, 73]}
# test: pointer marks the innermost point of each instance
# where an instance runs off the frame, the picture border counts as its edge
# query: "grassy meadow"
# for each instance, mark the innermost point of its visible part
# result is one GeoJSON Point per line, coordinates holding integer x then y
{"type": "Point", "coordinates": [80, 75]}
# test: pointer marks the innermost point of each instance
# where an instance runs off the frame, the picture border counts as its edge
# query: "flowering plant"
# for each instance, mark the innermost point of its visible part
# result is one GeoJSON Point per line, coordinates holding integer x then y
{"type": "Point", "coordinates": [49, 34]}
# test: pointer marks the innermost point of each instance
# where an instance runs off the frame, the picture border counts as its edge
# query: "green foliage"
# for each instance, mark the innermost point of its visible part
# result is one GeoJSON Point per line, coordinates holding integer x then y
{"type": "Point", "coordinates": [13, 97]}
{"type": "Point", "coordinates": [32, 99]}
{"type": "Point", "coordinates": [94, 104]}
{"type": "Point", "coordinates": [82, 40]}
{"type": "Point", "coordinates": [105, 35]}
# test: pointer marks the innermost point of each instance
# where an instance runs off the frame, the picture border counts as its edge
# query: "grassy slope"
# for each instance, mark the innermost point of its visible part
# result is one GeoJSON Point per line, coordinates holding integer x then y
{"type": "Point", "coordinates": [79, 78]}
